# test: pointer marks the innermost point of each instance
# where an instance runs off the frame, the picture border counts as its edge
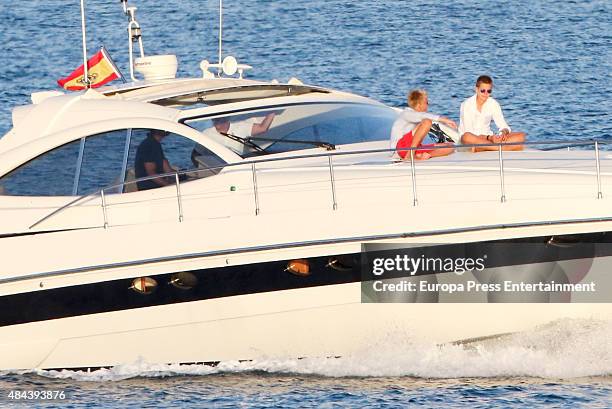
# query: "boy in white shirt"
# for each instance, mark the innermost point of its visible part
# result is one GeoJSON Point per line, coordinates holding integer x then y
{"type": "Point", "coordinates": [475, 120]}
{"type": "Point", "coordinates": [412, 126]}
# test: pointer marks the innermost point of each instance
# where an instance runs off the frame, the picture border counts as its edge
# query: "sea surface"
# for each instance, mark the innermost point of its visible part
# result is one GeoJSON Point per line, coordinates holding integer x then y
{"type": "Point", "coordinates": [551, 62]}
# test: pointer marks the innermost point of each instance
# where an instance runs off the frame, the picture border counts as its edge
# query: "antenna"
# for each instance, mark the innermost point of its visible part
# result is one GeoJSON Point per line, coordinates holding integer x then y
{"type": "Point", "coordinates": [229, 67]}
{"type": "Point", "coordinates": [220, 33]}
{"type": "Point", "coordinates": [85, 68]}
{"type": "Point", "coordinates": [134, 35]}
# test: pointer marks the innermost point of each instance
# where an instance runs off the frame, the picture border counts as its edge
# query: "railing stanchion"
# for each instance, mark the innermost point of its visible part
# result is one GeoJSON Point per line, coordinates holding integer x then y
{"type": "Point", "coordinates": [501, 174]}
{"type": "Point", "coordinates": [597, 164]}
{"type": "Point", "coordinates": [103, 199]}
{"type": "Point", "coordinates": [255, 192]}
{"type": "Point", "coordinates": [178, 196]}
{"type": "Point", "coordinates": [333, 182]}
{"type": "Point", "coordinates": [415, 201]}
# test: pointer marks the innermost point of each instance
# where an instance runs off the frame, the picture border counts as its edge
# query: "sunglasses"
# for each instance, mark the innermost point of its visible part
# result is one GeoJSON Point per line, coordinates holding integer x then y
{"type": "Point", "coordinates": [486, 91]}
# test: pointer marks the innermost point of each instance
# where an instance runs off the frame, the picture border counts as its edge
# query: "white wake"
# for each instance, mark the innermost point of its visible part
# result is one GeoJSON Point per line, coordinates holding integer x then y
{"type": "Point", "coordinates": [563, 349]}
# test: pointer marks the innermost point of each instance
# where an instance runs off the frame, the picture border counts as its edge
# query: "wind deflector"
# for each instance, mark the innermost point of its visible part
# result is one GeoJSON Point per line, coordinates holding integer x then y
{"type": "Point", "coordinates": [235, 94]}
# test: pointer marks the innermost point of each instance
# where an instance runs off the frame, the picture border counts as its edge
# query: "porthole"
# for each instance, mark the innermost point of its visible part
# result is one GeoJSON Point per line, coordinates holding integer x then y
{"type": "Point", "coordinates": [564, 241]}
{"type": "Point", "coordinates": [144, 285]}
{"type": "Point", "coordinates": [183, 280]}
{"type": "Point", "coordinates": [299, 267]}
{"type": "Point", "coordinates": [341, 263]}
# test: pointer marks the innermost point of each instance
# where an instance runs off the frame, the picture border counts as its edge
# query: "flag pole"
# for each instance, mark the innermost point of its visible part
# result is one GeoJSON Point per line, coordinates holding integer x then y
{"type": "Point", "coordinates": [85, 73]}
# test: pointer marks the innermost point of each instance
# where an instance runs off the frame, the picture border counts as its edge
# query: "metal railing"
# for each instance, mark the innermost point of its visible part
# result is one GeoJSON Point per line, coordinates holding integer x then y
{"type": "Point", "coordinates": [329, 155]}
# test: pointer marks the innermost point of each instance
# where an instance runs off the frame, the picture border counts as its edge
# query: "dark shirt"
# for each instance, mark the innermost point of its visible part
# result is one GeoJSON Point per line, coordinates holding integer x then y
{"type": "Point", "coordinates": [150, 150]}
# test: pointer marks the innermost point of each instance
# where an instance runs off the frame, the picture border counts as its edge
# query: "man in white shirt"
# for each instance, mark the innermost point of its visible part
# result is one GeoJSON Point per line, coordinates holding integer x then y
{"type": "Point", "coordinates": [475, 120]}
{"type": "Point", "coordinates": [412, 126]}
{"type": "Point", "coordinates": [235, 134]}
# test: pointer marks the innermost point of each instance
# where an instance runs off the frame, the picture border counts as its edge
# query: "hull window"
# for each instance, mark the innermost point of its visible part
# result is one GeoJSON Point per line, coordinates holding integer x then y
{"type": "Point", "coordinates": [342, 263]}
{"type": "Point", "coordinates": [299, 267]}
{"type": "Point", "coordinates": [144, 285]}
{"type": "Point", "coordinates": [184, 280]}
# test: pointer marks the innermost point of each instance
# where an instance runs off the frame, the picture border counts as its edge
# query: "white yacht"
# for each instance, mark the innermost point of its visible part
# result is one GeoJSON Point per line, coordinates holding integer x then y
{"type": "Point", "coordinates": [262, 245]}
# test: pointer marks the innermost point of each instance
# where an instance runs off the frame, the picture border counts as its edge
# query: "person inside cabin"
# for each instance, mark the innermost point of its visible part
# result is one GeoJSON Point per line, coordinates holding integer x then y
{"type": "Point", "coordinates": [234, 134]}
{"type": "Point", "coordinates": [150, 160]}
{"type": "Point", "coordinates": [414, 124]}
{"type": "Point", "coordinates": [475, 120]}
{"type": "Point", "coordinates": [244, 128]}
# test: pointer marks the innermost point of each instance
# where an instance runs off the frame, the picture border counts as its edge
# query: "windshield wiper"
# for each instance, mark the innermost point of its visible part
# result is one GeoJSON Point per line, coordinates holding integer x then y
{"type": "Point", "coordinates": [244, 141]}
{"type": "Point", "coordinates": [326, 145]}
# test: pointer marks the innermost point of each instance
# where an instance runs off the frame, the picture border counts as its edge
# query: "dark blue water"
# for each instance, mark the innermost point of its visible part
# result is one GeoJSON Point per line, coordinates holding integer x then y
{"type": "Point", "coordinates": [265, 390]}
{"type": "Point", "coordinates": [551, 62]}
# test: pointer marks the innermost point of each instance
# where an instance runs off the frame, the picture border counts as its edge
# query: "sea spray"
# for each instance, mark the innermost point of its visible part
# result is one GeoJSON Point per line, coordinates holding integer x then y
{"type": "Point", "coordinates": [568, 348]}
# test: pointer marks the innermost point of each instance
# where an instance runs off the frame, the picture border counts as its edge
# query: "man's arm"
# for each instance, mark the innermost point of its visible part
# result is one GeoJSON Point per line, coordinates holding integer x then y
{"type": "Point", "coordinates": [412, 116]}
{"type": "Point", "coordinates": [500, 122]}
{"type": "Point", "coordinates": [167, 167]}
{"type": "Point", "coordinates": [416, 117]}
{"type": "Point", "coordinates": [263, 126]}
{"type": "Point", "coordinates": [151, 170]}
{"type": "Point", "coordinates": [448, 122]}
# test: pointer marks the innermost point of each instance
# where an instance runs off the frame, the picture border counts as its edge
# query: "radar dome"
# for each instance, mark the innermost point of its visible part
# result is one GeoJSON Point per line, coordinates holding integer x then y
{"type": "Point", "coordinates": [157, 67]}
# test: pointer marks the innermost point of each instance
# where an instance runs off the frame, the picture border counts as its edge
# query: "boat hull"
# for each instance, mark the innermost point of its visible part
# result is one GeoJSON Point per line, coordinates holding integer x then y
{"type": "Point", "coordinates": [246, 305]}
{"type": "Point", "coordinates": [322, 321]}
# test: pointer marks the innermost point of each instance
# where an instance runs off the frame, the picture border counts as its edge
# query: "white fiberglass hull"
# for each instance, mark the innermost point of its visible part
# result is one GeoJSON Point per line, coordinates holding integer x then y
{"type": "Point", "coordinates": [283, 324]}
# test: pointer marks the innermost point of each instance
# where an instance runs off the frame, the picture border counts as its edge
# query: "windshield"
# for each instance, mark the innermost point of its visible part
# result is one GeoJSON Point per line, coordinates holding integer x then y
{"type": "Point", "coordinates": [292, 127]}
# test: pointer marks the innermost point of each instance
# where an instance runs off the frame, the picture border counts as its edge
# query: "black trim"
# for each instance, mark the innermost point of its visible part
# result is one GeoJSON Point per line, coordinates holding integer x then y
{"type": "Point", "coordinates": [228, 281]}
{"type": "Point", "coordinates": [33, 233]}
{"type": "Point", "coordinates": [116, 295]}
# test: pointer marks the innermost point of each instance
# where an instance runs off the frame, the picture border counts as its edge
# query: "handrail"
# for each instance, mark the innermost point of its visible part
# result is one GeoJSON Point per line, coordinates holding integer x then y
{"type": "Point", "coordinates": [415, 201]}
{"type": "Point", "coordinates": [104, 208]}
{"type": "Point", "coordinates": [178, 196]}
{"type": "Point", "coordinates": [255, 190]}
{"type": "Point", "coordinates": [598, 170]}
{"type": "Point", "coordinates": [424, 234]}
{"type": "Point", "coordinates": [253, 163]}
{"type": "Point", "coordinates": [501, 174]}
{"type": "Point", "coordinates": [332, 180]}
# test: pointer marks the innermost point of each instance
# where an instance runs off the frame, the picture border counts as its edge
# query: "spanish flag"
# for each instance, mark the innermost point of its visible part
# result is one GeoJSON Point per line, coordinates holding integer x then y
{"type": "Point", "coordinates": [100, 70]}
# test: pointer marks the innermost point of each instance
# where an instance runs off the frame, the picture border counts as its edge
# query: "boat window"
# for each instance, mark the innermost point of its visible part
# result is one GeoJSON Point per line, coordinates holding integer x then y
{"type": "Point", "coordinates": [181, 153]}
{"type": "Point", "coordinates": [50, 174]}
{"type": "Point", "coordinates": [102, 161]}
{"type": "Point", "coordinates": [97, 161]}
{"type": "Point", "coordinates": [297, 126]}
{"type": "Point", "coordinates": [76, 168]}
